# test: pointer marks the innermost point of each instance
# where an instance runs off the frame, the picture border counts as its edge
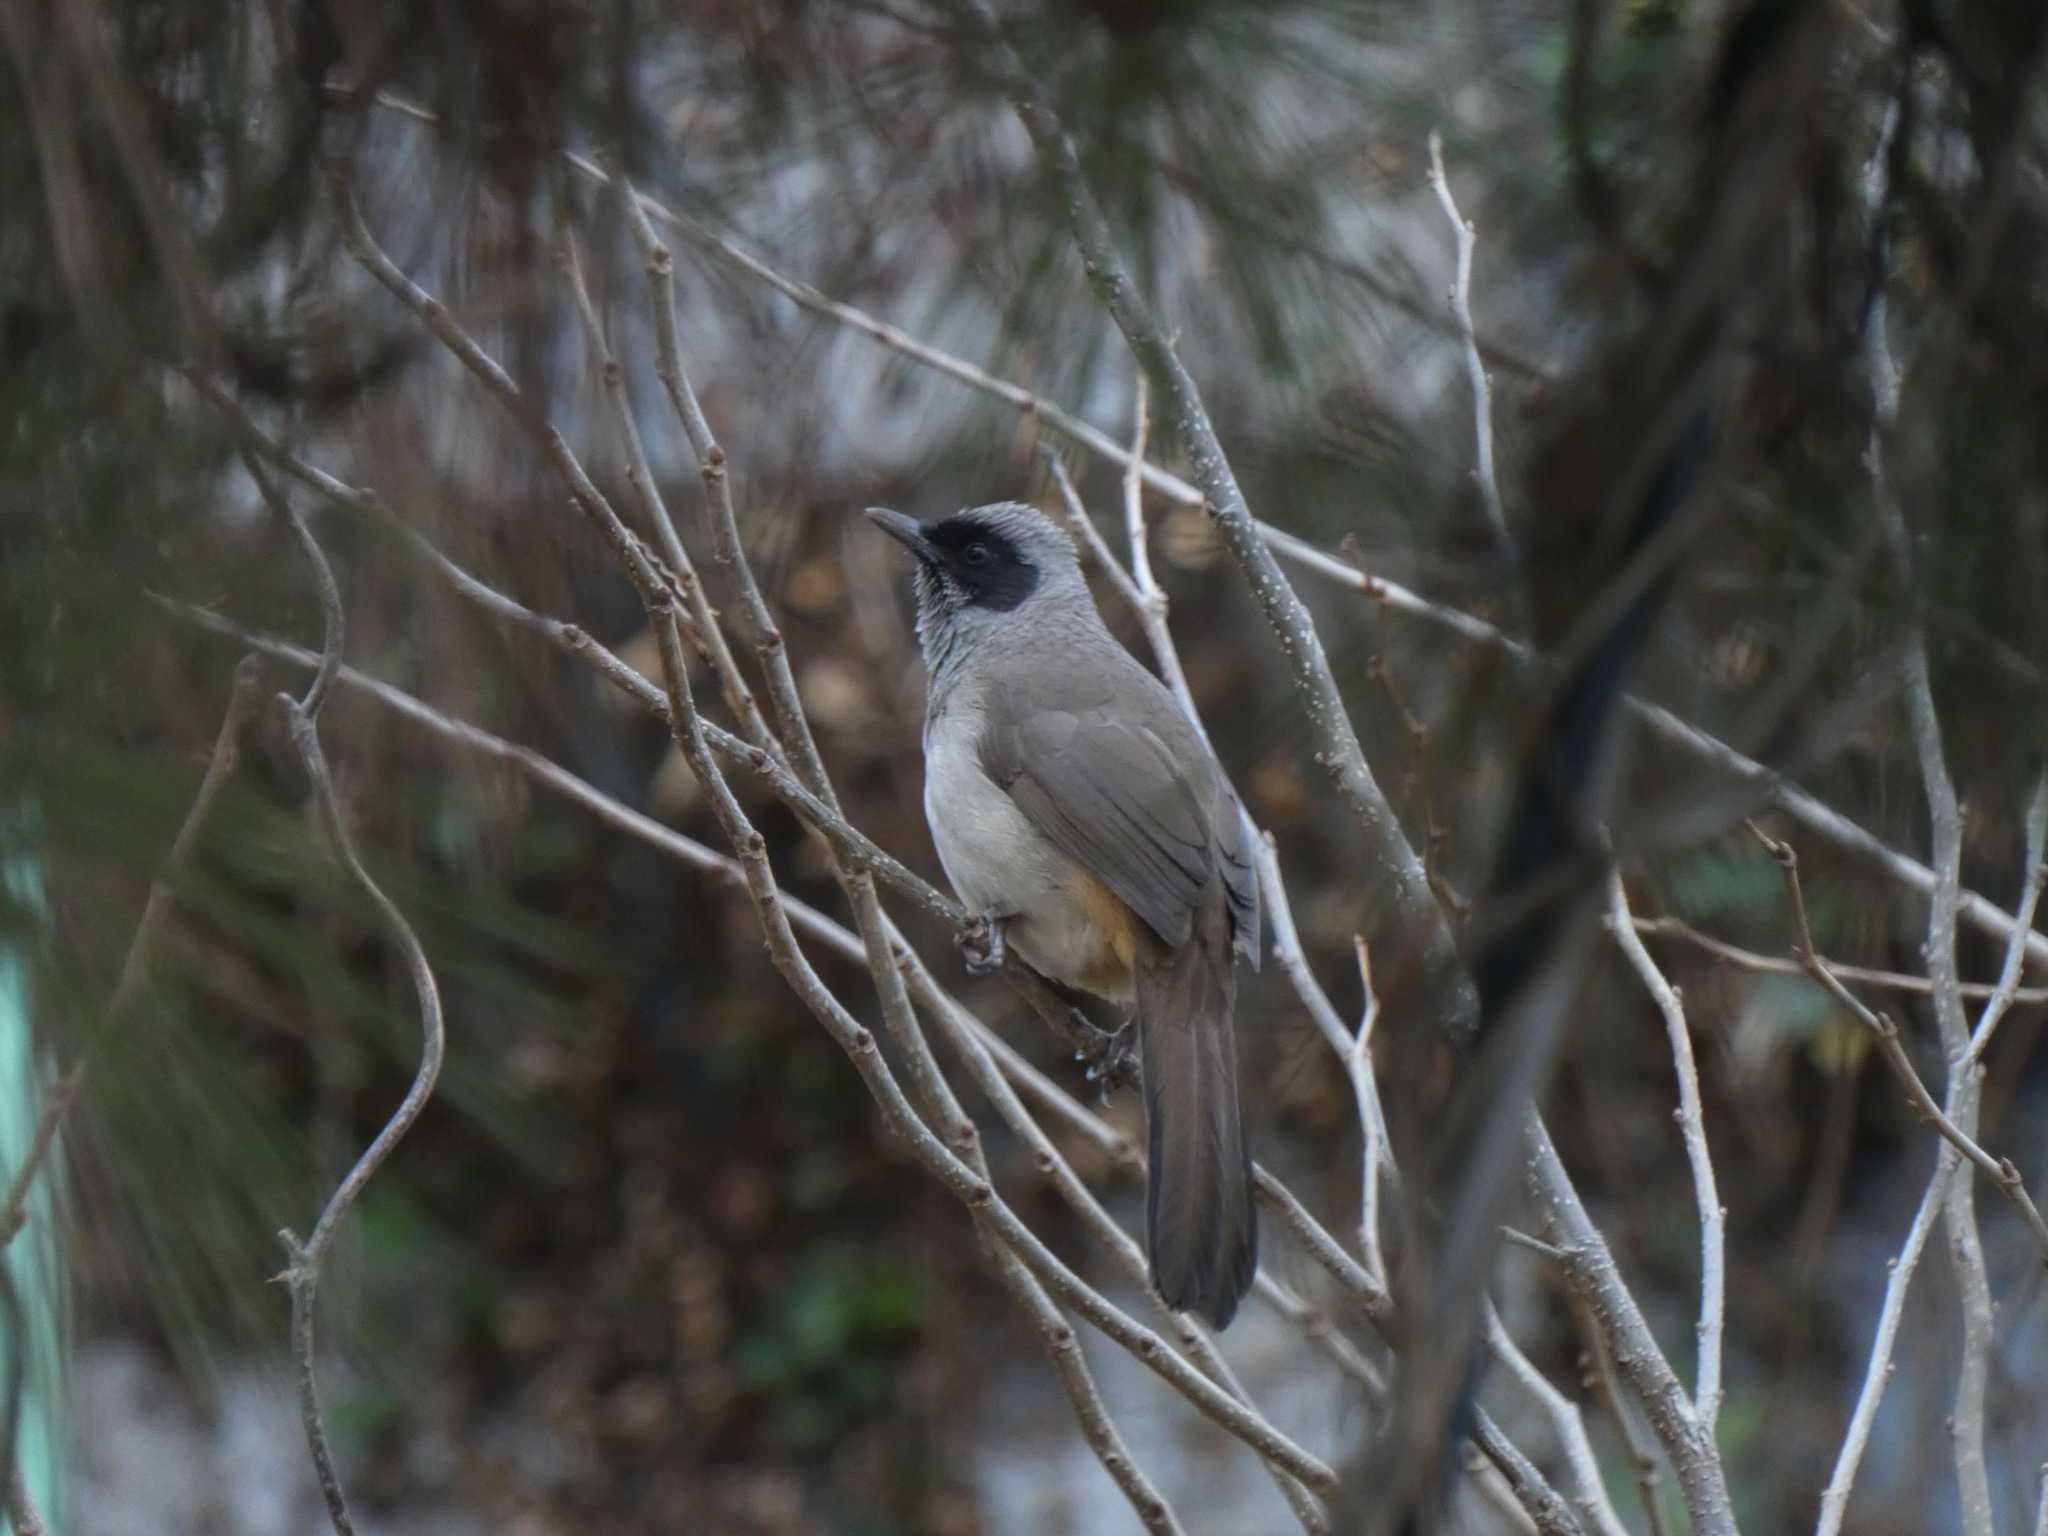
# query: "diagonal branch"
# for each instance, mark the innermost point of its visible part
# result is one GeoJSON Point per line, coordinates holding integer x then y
{"type": "Point", "coordinates": [1590, 1270]}
{"type": "Point", "coordinates": [1693, 1127]}
{"type": "Point", "coordinates": [2002, 1171]}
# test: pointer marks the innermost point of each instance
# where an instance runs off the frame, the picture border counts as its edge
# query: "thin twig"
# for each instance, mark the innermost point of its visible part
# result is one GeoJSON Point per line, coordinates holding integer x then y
{"type": "Point", "coordinates": [333, 618]}
{"type": "Point", "coordinates": [1152, 600]}
{"type": "Point", "coordinates": [1379, 1151]}
{"type": "Point", "coordinates": [1589, 1489]}
{"type": "Point", "coordinates": [1692, 1128]}
{"type": "Point", "coordinates": [302, 1274]}
{"type": "Point", "coordinates": [705, 632]}
{"type": "Point", "coordinates": [2002, 1171]}
{"type": "Point", "coordinates": [141, 948]}
{"type": "Point", "coordinates": [1094, 547]}
{"type": "Point", "coordinates": [1475, 365]}
{"type": "Point", "coordinates": [1779, 965]}
{"type": "Point", "coordinates": [1834, 1498]}
{"type": "Point", "coordinates": [634, 557]}
{"type": "Point", "coordinates": [1070, 1366]}
{"type": "Point", "coordinates": [1965, 1078]}
{"type": "Point", "coordinates": [2009, 991]}
{"type": "Point", "coordinates": [1351, 1056]}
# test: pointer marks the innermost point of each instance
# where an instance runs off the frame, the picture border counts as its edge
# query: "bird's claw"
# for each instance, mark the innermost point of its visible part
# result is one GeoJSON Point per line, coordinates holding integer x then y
{"type": "Point", "coordinates": [981, 944]}
{"type": "Point", "coordinates": [1106, 1055]}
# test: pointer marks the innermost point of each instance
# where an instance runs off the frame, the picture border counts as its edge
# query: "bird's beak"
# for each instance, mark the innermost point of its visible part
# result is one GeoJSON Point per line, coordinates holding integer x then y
{"type": "Point", "coordinates": [907, 531]}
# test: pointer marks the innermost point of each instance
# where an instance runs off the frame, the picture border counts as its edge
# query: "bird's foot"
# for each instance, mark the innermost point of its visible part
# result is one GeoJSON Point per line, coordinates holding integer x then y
{"type": "Point", "coordinates": [981, 944]}
{"type": "Point", "coordinates": [1106, 1054]}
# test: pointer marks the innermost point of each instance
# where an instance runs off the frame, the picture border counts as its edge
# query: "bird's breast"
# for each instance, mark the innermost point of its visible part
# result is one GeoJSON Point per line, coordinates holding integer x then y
{"type": "Point", "coordinates": [1066, 924]}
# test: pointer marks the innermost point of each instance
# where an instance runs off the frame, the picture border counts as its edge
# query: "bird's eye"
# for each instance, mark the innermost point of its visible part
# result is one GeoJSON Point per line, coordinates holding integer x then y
{"type": "Point", "coordinates": [975, 554]}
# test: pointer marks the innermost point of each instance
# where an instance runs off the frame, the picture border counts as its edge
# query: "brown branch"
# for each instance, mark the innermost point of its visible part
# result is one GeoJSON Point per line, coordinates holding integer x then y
{"type": "Point", "coordinates": [705, 633]}
{"type": "Point", "coordinates": [2002, 1171]}
{"type": "Point", "coordinates": [1779, 965]}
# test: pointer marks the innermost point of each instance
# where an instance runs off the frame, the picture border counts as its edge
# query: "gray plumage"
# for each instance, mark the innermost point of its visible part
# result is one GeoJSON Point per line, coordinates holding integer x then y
{"type": "Point", "coordinates": [1069, 795]}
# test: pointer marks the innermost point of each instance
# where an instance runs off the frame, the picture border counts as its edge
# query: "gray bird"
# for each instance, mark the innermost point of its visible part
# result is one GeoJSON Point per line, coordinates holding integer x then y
{"type": "Point", "coordinates": [1076, 807]}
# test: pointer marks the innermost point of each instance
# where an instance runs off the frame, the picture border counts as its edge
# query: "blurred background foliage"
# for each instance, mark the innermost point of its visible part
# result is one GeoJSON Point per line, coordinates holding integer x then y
{"type": "Point", "coordinates": [649, 1252]}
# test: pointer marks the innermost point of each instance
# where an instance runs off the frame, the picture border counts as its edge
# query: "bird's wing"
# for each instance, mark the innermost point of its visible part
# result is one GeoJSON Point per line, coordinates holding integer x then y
{"type": "Point", "coordinates": [1240, 875]}
{"type": "Point", "coordinates": [1111, 797]}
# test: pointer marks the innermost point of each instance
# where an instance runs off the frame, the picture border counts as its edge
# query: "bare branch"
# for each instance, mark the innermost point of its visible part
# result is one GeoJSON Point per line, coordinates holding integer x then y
{"type": "Point", "coordinates": [1475, 365]}
{"type": "Point", "coordinates": [1379, 1151]}
{"type": "Point", "coordinates": [1350, 1053]}
{"type": "Point", "coordinates": [1834, 1498]}
{"type": "Point", "coordinates": [1945, 821]}
{"type": "Point", "coordinates": [2009, 991]}
{"type": "Point", "coordinates": [334, 622]}
{"type": "Point", "coordinates": [1779, 965]}
{"type": "Point", "coordinates": [1551, 1515]}
{"type": "Point", "coordinates": [705, 632]}
{"type": "Point", "coordinates": [1590, 1269]}
{"type": "Point", "coordinates": [2003, 1171]}
{"type": "Point", "coordinates": [1589, 1490]}
{"type": "Point", "coordinates": [1093, 546]}
{"type": "Point", "coordinates": [1057, 1337]}
{"type": "Point", "coordinates": [1635, 1439]}
{"type": "Point", "coordinates": [303, 1274]}
{"type": "Point", "coordinates": [633, 556]}
{"type": "Point", "coordinates": [141, 948]}
{"type": "Point", "coordinates": [1693, 1128]}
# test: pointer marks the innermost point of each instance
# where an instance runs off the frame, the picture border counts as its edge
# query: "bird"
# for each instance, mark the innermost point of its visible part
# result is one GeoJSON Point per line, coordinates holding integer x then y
{"type": "Point", "coordinates": [1082, 818]}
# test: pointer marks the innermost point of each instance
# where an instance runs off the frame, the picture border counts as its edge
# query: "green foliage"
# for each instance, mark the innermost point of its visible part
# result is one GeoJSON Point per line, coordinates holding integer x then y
{"type": "Point", "coordinates": [825, 1355]}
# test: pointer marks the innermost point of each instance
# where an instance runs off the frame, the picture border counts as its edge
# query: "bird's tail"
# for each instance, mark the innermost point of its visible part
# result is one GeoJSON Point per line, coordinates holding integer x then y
{"type": "Point", "coordinates": [1199, 1225]}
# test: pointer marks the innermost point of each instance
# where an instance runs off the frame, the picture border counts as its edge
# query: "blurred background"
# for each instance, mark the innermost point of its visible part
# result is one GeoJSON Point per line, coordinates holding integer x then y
{"type": "Point", "coordinates": [650, 1261]}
